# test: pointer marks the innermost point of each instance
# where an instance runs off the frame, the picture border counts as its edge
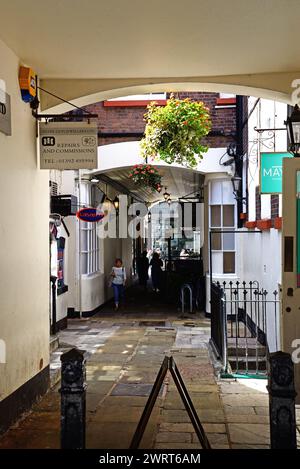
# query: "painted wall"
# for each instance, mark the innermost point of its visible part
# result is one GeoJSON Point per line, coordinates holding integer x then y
{"type": "Point", "coordinates": [109, 158]}
{"type": "Point", "coordinates": [260, 254]}
{"type": "Point", "coordinates": [94, 287]}
{"type": "Point", "coordinates": [24, 242]}
{"type": "Point", "coordinates": [260, 259]}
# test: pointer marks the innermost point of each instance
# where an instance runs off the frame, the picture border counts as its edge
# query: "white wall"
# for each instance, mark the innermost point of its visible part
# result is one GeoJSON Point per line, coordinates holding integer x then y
{"type": "Point", "coordinates": [260, 254]}
{"type": "Point", "coordinates": [267, 114]}
{"type": "Point", "coordinates": [118, 155]}
{"type": "Point", "coordinates": [94, 287]}
{"type": "Point", "coordinates": [24, 242]}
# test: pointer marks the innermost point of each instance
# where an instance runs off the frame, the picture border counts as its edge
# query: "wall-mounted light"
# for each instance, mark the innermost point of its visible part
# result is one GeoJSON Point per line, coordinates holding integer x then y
{"type": "Point", "coordinates": [236, 182]}
{"type": "Point", "coordinates": [94, 180]}
{"type": "Point", "coordinates": [149, 217]}
{"type": "Point", "coordinates": [169, 200]}
{"type": "Point", "coordinates": [293, 128]}
{"type": "Point", "coordinates": [116, 203]}
{"type": "Point", "coordinates": [166, 195]}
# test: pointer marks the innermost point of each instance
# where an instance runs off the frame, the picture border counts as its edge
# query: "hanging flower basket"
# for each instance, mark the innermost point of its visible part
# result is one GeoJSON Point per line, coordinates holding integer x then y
{"type": "Point", "coordinates": [175, 132]}
{"type": "Point", "coordinates": [146, 175]}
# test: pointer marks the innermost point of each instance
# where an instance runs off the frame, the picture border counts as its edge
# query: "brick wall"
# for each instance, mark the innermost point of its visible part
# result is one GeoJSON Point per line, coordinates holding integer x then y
{"type": "Point", "coordinates": [257, 203]}
{"type": "Point", "coordinates": [129, 121]}
{"type": "Point", "coordinates": [274, 206]}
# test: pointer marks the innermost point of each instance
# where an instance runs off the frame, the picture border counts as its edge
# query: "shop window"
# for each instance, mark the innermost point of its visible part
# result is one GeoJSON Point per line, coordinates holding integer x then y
{"type": "Point", "coordinates": [90, 242]}
{"type": "Point", "coordinates": [222, 218]}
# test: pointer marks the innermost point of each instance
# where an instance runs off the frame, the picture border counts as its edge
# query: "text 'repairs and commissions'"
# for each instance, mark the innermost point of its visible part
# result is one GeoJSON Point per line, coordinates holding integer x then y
{"type": "Point", "coordinates": [68, 145]}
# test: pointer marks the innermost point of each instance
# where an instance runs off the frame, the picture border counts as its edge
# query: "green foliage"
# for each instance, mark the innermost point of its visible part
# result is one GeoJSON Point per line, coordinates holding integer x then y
{"type": "Point", "coordinates": [146, 175]}
{"type": "Point", "coordinates": [174, 132]}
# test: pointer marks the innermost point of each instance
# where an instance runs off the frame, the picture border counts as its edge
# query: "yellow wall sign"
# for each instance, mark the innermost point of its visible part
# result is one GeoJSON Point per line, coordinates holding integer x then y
{"type": "Point", "coordinates": [27, 81]}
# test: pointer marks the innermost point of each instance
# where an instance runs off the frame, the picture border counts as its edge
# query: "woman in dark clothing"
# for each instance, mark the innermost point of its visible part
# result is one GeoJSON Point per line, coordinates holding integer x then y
{"type": "Point", "coordinates": [156, 265]}
{"type": "Point", "coordinates": [142, 268]}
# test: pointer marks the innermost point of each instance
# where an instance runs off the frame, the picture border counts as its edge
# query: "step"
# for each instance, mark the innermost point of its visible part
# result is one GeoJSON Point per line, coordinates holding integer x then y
{"type": "Point", "coordinates": [54, 343]}
{"type": "Point", "coordinates": [252, 352]}
{"type": "Point", "coordinates": [252, 363]}
{"type": "Point", "coordinates": [243, 340]}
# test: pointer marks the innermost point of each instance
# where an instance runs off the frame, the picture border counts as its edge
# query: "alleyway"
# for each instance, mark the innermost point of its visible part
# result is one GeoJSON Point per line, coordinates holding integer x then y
{"type": "Point", "coordinates": [125, 351]}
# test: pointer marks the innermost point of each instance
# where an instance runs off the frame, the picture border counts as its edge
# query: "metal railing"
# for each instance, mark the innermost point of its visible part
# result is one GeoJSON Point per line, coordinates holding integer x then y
{"type": "Point", "coordinates": [243, 325]}
{"type": "Point", "coordinates": [218, 320]}
{"type": "Point", "coordinates": [169, 364]}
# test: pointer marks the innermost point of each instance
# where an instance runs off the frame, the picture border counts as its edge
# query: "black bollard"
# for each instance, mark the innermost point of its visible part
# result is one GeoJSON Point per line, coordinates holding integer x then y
{"type": "Point", "coordinates": [282, 401]}
{"type": "Point", "coordinates": [54, 326]}
{"type": "Point", "coordinates": [73, 399]}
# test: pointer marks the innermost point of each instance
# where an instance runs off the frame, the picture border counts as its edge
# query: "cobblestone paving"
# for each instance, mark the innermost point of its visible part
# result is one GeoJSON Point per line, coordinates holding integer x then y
{"type": "Point", "coordinates": [125, 351]}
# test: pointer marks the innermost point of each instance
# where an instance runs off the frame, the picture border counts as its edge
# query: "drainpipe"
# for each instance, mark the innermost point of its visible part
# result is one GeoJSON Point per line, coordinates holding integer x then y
{"type": "Point", "coordinates": [79, 248]}
{"type": "Point", "coordinates": [239, 156]}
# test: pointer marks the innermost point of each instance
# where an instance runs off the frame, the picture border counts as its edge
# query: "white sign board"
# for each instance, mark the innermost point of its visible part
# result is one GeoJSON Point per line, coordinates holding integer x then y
{"type": "Point", "coordinates": [5, 113]}
{"type": "Point", "coordinates": [68, 145]}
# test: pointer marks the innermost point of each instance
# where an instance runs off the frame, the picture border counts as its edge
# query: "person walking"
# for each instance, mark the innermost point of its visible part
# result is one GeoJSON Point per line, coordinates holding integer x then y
{"type": "Point", "coordinates": [156, 271]}
{"type": "Point", "coordinates": [118, 276]}
{"type": "Point", "coordinates": [143, 268]}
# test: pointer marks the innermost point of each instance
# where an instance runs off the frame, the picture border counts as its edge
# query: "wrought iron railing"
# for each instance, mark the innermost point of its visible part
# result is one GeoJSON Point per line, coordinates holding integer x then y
{"type": "Point", "coordinates": [244, 324]}
{"type": "Point", "coordinates": [218, 319]}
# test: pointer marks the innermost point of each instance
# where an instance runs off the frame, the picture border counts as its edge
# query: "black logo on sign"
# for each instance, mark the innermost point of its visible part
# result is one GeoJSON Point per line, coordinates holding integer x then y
{"type": "Point", "coordinates": [48, 141]}
{"type": "Point", "coordinates": [2, 108]}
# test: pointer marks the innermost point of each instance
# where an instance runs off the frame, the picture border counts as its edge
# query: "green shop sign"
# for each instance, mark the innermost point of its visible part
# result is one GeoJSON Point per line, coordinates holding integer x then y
{"type": "Point", "coordinates": [271, 172]}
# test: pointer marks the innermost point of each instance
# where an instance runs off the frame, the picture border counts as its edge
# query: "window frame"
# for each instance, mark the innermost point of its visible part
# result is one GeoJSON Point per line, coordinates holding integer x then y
{"type": "Point", "coordinates": [89, 242]}
{"type": "Point", "coordinates": [223, 228]}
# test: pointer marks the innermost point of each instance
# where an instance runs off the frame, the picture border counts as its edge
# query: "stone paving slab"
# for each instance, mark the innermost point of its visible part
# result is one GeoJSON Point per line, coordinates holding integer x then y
{"type": "Point", "coordinates": [239, 410]}
{"type": "Point", "coordinates": [244, 418]}
{"type": "Point", "coordinates": [188, 427]}
{"type": "Point", "coordinates": [250, 433]}
{"type": "Point", "coordinates": [208, 401]}
{"type": "Point", "coordinates": [245, 400]}
{"type": "Point", "coordinates": [132, 389]}
{"type": "Point", "coordinates": [128, 401]}
{"type": "Point", "coordinates": [215, 439]}
{"type": "Point", "coordinates": [123, 359]}
{"type": "Point", "coordinates": [180, 415]}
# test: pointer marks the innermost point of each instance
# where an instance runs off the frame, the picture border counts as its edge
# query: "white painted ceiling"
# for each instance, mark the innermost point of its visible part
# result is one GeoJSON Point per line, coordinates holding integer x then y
{"type": "Point", "coordinates": [179, 182]}
{"type": "Point", "coordinates": [157, 38]}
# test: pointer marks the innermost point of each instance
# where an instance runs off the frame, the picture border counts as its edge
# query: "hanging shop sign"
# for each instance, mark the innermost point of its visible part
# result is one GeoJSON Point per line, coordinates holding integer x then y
{"type": "Point", "coordinates": [90, 214]}
{"type": "Point", "coordinates": [5, 113]}
{"type": "Point", "coordinates": [271, 172]}
{"type": "Point", "coordinates": [68, 145]}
